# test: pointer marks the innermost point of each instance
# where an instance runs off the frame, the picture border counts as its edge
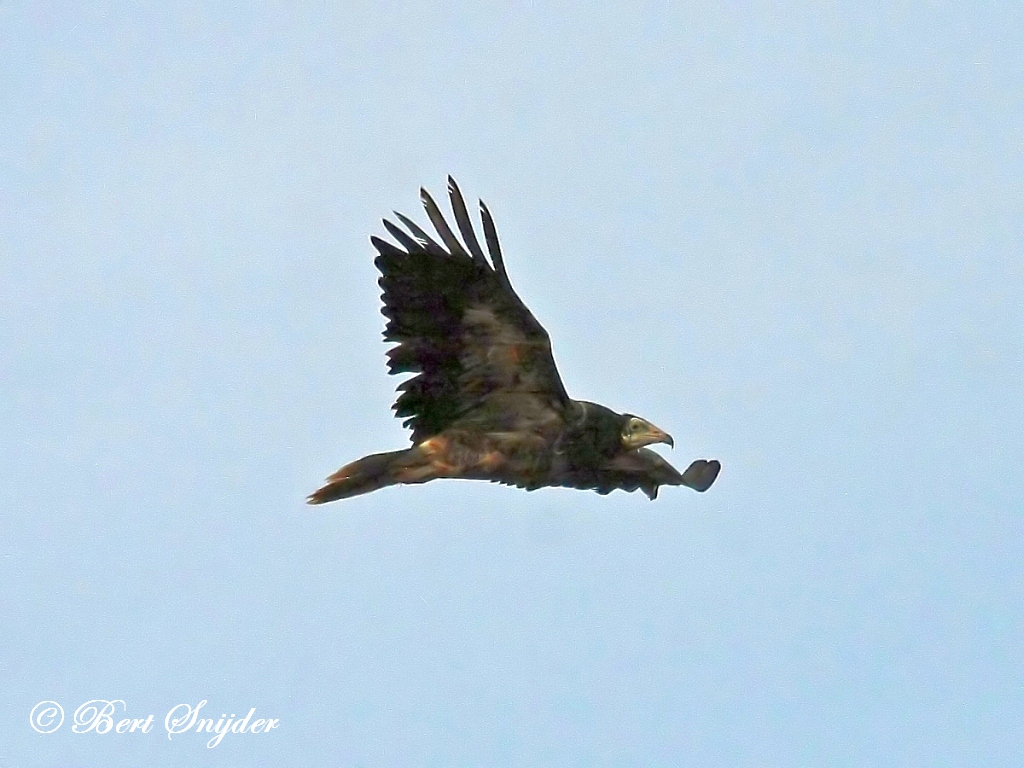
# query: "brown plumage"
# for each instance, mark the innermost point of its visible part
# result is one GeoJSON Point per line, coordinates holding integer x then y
{"type": "Point", "coordinates": [486, 401]}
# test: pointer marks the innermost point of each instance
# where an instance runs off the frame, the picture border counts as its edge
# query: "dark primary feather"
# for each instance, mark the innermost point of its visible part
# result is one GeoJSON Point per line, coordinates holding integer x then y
{"type": "Point", "coordinates": [427, 243]}
{"type": "Point", "coordinates": [494, 247]}
{"type": "Point", "coordinates": [474, 346]}
{"type": "Point", "coordinates": [465, 225]}
{"type": "Point", "coordinates": [437, 219]}
{"type": "Point", "coordinates": [407, 242]}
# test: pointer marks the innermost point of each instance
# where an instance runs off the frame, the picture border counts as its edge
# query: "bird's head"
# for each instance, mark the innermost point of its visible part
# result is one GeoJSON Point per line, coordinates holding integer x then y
{"type": "Point", "coordinates": [637, 432]}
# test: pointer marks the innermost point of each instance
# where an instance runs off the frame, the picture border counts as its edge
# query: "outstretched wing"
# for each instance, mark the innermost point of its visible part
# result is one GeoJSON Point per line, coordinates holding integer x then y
{"type": "Point", "coordinates": [641, 469]}
{"type": "Point", "coordinates": [475, 348]}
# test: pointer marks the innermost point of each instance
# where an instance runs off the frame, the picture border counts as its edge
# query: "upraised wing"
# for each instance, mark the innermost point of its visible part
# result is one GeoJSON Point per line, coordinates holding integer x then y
{"type": "Point", "coordinates": [475, 348]}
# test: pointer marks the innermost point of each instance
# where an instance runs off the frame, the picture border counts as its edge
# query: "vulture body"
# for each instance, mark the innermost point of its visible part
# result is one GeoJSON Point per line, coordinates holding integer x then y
{"type": "Point", "coordinates": [487, 402]}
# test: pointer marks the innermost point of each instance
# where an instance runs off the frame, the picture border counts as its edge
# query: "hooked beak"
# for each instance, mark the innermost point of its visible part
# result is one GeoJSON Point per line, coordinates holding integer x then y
{"type": "Point", "coordinates": [649, 436]}
{"type": "Point", "coordinates": [660, 436]}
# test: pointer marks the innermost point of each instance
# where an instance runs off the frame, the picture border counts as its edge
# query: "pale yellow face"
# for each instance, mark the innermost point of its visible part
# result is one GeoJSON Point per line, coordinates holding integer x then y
{"type": "Point", "coordinates": [639, 432]}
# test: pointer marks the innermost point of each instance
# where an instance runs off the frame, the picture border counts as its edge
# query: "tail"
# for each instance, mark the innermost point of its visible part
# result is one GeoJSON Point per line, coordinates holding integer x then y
{"type": "Point", "coordinates": [367, 474]}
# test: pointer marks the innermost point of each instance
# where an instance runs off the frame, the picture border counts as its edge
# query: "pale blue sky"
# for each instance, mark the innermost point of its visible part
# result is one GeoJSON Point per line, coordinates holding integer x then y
{"type": "Point", "coordinates": [789, 233]}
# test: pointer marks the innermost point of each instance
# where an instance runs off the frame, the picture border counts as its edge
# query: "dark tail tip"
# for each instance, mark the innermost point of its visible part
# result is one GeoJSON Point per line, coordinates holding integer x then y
{"type": "Point", "coordinates": [362, 476]}
{"type": "Point", "coordinates": [330, 492]}
{"type": "Point", "coordinates": [346, 488]}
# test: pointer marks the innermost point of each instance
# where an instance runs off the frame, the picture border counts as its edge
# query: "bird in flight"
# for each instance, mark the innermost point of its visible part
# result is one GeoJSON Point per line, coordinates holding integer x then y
{"type": "Point", "coordinates": [487, 402]}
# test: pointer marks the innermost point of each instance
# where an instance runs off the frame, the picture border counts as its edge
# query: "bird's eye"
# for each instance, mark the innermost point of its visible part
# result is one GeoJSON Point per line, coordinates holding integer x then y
{"type": "Point", "coordinates": [635, 425]}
